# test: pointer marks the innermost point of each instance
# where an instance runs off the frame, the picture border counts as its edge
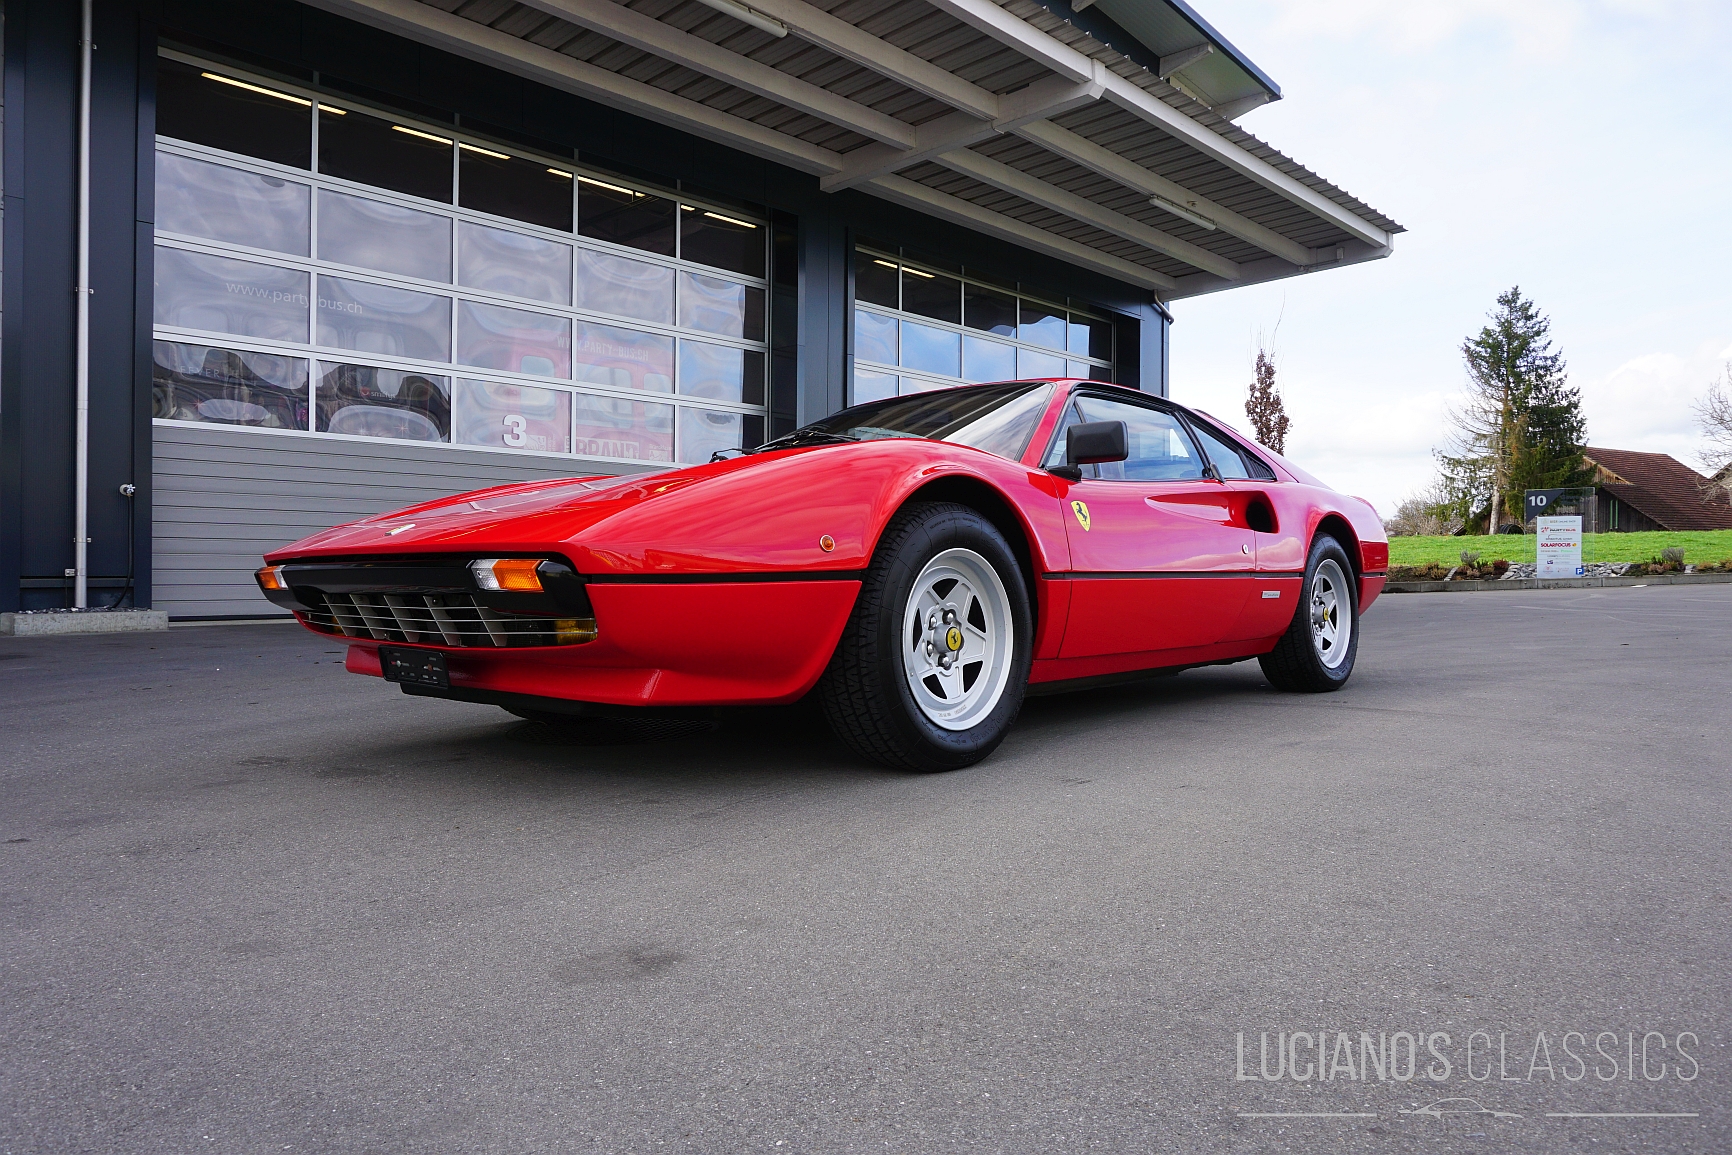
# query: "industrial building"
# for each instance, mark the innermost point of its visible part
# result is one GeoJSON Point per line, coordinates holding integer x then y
{"type": "Point", "coordinates": [276, 265]}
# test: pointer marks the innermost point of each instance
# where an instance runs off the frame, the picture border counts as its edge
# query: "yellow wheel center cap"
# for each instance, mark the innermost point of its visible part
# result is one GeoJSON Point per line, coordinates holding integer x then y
{"type": "Point", "coordinates": [953, 638]}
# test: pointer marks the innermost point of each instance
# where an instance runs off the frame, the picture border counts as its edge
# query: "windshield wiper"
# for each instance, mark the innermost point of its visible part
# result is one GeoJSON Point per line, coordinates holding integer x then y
{"type": "Point", "coordinates": [807, 436]}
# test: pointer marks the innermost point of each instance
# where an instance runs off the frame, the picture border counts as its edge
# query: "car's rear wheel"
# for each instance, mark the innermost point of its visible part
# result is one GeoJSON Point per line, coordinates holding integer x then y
{"type": "Point", "coordinates": [933, 663]}
{"type": "Point", "coordinates": [1317, 652]}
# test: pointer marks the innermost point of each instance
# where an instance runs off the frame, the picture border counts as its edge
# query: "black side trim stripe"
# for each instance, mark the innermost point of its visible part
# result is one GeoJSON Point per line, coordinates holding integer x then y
{"type": "Point", "coordinates": [683, 579]}
{"type": "Point", "coordinates": [1097, 575]}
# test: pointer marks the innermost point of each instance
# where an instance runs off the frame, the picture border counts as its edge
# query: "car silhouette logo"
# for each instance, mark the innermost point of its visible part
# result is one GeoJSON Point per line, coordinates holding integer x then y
{"type": "Point", "coordinates": [1459, 1106]}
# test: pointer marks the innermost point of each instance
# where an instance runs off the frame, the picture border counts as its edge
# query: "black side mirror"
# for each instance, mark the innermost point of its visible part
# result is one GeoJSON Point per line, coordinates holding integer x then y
{"type": "Point", "coordinates": [1090, 443]}
{"type": "Point", "coordinates": [1096, 441]}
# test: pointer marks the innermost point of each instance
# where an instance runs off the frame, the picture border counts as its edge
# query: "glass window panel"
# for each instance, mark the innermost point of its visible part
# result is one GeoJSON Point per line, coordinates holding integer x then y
{"type": "Point", "coordinates": [233, 115]}
{"type": "Point", "coordinates": [402, 157]}
{"type": "Point", "coordinates": [627, 287]}
{"type": "Point", "coordinates": [930, 295]}
{"type": "Point", "coordinates": [874, 337]}
{"type": "Point", "coordinates": [379, 319]}
{"type": "Point", "coordinates": [931, 350]}
{"type": "Point", "coordinates": [610, 212]}
{"type": "Point", "coordinates": [195, 291]}
{"type": "Point", "coordinates": [1032, 364]}
{"type": "Point", "coordinates": [921, 385]}
{"type": "Point", "coordinates": [721, 373]}
{"type": "Point", "coordinates": [1006, 430]}
{"type": "Point", "coordinates": [871, 385]}
{"type": "Point", "coordinates": [201, 383]}
{"type": "Point", "coordinates": [490, 181]}
{"type": "Point", "coordinates": [512, 416]}
{"type": "Point", "coordinates": [712, 305]}
{"type": "Point", "coordinates": [1084, 370]}
{"type": "Point", "coordinates": [623, 358]}
{"type": "Point", "coordinates": [875, 280]}
{"type": "Point", "coordinates": [707, 431]}
{"type": "Point", "coordinates": [1225, 457]}
{"type": "Point", "coordinates": [622, 427]}
{"type": "Point", "coordinates": [1091, 337]}
{"type": "Point", "coordinates": [1160, 449]}
{"type": "Point", "coordinates": [989, 311]}
{"type": "Point", "coordinates": [515, 340]}
{"type": "Point", "coordinates": [368, 402]}
{"type": "Point", "coordinates": [501, 261]}
{"type": "Point", "coordinates": [376, 235]}
{"type": "Point", "coordinates": [1042, 326]}
{"type": "Point", "coordinates": [203, 199]}
{"type": "Point", "coordinates": [984, 360]}
{"type": "Point", "coordinates": [719, 239]}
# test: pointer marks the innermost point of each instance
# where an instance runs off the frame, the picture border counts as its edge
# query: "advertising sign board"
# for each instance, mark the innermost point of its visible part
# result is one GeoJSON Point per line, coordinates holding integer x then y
{"type": "Point", "coordinates": [1558, 546]}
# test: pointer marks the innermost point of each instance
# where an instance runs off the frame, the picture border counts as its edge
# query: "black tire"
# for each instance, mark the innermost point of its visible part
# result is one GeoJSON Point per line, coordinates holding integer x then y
{"type": "Point", "coordinates": [1300, 661]}
{"type": "Point", "coordinates": [865, 691]}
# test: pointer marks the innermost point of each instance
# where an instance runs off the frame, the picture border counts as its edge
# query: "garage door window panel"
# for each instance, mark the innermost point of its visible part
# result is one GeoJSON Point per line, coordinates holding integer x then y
{"type": "Point", "coordinates": [875, 282]}
{"type": "Point", "coordinates": [365, 401]}
{"type": "Point", "coordinates": [373, 234]}
{"type": "Point", "coordinates": [513, 264]}
{"type": "Point", "coordinates": [931, 295]}
{"type": "Point", "coordinates": [225, 295]}
{"type": "Point", "coordinates": [227, 387]}
{"type": "Point", "coordinates": [704, 432]}
{"type": "Point", "coordinates": [505, 416]}
{"type": "Point", "coordinates": [619, 427]}
{"type": "Point", "coordinates": [717, 239]}
{"type": "Point", "coordinates": [200, 198]}
{"type": "Point", "coordinates": [874, 337]}
{"type": "Point", "coordinates": [237, 115]}
{"type": "Point", "coordinates": [495, 182]}
{"type": "Point", "coordinates": [624, 216]}
{"type": "Point", "coordinates": [623, 358]}
{"type": "Point", "coordinates": [930, 349]}
{"type": "Point", "coordinates": [513, 340]}
{"type": "Point", "coordinates": [386, 154]}
{"type": "Point", "coordinates": [726, 308]}
{"type": "Point", "coordinates": [624, 287]}
{"type": "Point", "coordinates": [721, 373]}
{"type": "Point", "coordinates": [377, 318]}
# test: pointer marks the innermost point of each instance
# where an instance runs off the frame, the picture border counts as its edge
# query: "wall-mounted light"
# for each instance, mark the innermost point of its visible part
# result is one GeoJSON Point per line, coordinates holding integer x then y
{"type": "Point", "coordinates": [1190, 214]}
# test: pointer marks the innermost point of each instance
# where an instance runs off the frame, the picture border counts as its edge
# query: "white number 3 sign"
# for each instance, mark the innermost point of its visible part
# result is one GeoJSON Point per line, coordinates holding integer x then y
{"type": "Point", "coordinates": [516, 426]}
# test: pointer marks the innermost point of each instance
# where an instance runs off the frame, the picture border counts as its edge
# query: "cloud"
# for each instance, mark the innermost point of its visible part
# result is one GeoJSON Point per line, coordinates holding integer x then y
{"type": "Point", "coordinates": [1646, 402]}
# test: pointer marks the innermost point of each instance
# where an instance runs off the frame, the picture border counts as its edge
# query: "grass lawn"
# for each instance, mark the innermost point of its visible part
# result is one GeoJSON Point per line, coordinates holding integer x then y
{"type": "Point", "coordinates": [1699, 548]}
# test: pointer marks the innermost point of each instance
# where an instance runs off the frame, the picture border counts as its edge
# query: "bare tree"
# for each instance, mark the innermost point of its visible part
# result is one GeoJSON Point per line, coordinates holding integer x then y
{"type": "Point", "coordinates": [1268, 416]}
{"type": "Point", "coordinates": [1714, 418]}
{"type": "Point", "coordinates": [1429, 513]}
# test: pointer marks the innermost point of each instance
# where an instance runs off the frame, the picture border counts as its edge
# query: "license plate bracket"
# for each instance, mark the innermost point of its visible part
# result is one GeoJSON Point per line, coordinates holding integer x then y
{"type": "Point", "coordinates": [414, 667]}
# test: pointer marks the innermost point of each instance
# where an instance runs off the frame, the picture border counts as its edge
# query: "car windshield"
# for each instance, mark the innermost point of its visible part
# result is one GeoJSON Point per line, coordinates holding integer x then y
{"type": "Point", "coordinates": [997, 418]}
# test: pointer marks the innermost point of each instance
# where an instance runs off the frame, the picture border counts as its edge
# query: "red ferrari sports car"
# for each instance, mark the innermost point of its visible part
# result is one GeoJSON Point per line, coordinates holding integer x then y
{"type": "Point", "coordinates": [919, 563]}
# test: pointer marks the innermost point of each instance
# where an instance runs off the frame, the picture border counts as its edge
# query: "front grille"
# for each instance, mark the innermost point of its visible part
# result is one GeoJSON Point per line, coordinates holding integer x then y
{"type": "Point", "coordinates": [436, 619]}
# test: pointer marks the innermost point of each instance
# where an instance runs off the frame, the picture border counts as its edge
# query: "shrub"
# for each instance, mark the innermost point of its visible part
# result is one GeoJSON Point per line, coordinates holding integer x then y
{"type": "Point", "coordinates": [1673, 554]}
{"type": "Point", "coordinates": [1469, 557]}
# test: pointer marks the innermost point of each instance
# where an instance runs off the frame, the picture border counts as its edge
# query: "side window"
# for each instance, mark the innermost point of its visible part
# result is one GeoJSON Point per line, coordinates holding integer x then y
{"type": "Point", "coordinates": [1223, 454]}
{"type": "Point", "coordinates": [1161, 450]}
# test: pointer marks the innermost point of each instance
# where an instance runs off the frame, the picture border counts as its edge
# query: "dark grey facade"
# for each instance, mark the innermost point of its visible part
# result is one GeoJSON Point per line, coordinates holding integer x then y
{"type": "Point", "coordinates": [208, 500]}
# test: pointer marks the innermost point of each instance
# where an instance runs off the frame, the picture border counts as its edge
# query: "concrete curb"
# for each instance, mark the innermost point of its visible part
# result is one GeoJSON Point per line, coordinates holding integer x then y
{"type": "Point", "coordinates": [1468, 587]}
{"type": "Point", "coordinates": [42, 625]}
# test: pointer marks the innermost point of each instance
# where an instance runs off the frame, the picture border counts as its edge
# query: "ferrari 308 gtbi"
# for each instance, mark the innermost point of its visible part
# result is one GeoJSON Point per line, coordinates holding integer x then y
{"type": "Point", "coordinates": [919, 563]}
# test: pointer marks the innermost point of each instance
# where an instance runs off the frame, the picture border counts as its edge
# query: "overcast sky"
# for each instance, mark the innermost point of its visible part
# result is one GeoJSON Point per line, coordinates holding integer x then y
{"type": "Point", "coordinates": [1580, 150]}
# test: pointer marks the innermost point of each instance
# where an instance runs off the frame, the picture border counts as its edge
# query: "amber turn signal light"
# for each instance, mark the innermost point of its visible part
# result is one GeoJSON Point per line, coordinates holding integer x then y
{"type": "Point", "coordinates": [509, 574]}
{"type": "Point", "coordinates": [271, 578]}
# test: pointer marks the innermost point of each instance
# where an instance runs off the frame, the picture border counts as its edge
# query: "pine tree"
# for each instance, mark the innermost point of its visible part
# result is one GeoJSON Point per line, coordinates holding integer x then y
{"type": "Point", "coordinates": [1522, 427]}
{"type": "Point", "coordinates": [1268, 416]}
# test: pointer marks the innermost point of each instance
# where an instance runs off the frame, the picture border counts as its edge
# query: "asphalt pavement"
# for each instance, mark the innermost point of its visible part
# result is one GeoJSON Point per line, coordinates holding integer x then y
{"type": "Point", "coordinates": [250, 902]}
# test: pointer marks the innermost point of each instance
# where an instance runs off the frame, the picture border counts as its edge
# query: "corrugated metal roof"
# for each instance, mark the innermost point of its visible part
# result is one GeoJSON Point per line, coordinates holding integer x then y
{"type": "Point", "coordinates": [836, 95]}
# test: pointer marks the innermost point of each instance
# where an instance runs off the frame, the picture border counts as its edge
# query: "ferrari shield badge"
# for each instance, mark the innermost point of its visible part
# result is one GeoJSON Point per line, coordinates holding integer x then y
{"type": "Point", "coordinates": [1081, 509]}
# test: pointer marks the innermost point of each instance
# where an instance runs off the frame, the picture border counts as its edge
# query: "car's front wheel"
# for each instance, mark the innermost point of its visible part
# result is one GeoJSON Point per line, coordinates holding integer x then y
{"type": "Point", "coordinates": [1317, 652]}
{"type": "Point", "coordinates": [932, 666]}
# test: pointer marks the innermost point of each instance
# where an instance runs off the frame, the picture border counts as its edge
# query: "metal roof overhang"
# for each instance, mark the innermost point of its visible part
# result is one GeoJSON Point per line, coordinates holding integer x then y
{"type": "Point", "coordinates": [1000, 117]}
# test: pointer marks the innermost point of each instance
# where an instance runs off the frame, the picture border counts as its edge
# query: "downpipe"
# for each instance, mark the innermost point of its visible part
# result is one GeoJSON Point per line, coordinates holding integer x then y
{"type": "Point", "coordinates": [81, 466]}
